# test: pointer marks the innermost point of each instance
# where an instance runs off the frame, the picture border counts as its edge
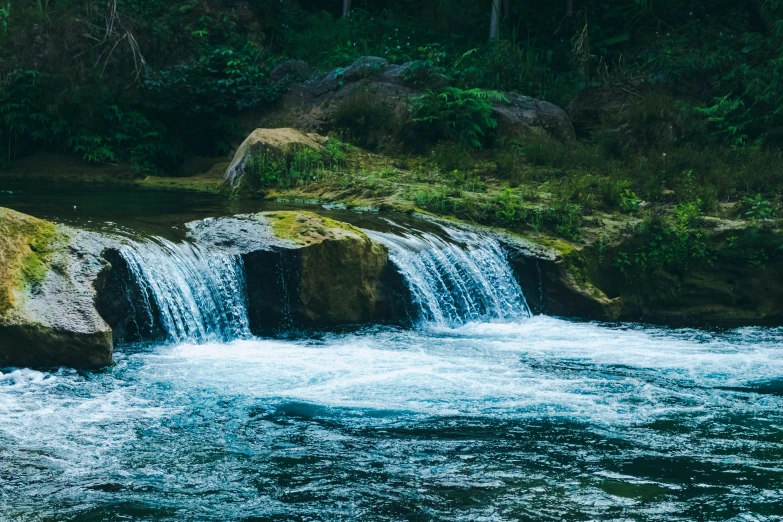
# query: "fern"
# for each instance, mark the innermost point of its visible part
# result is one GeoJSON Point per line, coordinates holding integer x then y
{"type": "Point", "coordinates": [459, 115]}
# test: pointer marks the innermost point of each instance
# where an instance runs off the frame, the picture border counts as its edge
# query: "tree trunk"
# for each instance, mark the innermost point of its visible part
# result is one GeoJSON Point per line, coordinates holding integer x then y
{"type": "Point", "coordinates": [346, 8]}
{"type": "Point", "coordinates": [569, 8]}
{"type": "Point", "coordinates": [761, 11]}
{"type": "Point", "coordinates": [494, 21]}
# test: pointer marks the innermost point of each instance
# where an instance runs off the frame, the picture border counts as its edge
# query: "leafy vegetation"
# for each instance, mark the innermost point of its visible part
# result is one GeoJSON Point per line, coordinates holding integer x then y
{"type": "Point", "coordinates": [692, 118]}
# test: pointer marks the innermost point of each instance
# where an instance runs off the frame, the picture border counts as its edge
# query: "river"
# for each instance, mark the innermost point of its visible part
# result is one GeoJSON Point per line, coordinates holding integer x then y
{"type": "Point", "coordinates": [480, 411]}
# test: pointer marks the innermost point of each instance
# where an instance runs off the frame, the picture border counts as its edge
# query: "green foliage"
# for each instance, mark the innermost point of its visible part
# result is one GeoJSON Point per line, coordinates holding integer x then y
{"type": "Point", "coordinates": [430, 70]}
{"type": "Point", "coordinates": [727, 119]}
{"type": "Point", "coordinates": [223, 79]}
{"type": "Point", "coordinates": [113, 133]}
{"type": "Point", "coordinates": [436, 200]}
{"type": "Point", "coordinates": [457, 114]}
{"type": "Point", "coordinates": [5, 14]}
{"type": "Point", "coordinates": [334, 153]}
{"type": "Point", "coordinates": [590, 175]}
{"type": "Point", "coordinates": [270, 170]}
{"type": "Point", "coordinates": [629, 201]}
{"type": "Point", "coordinates": [304, 166]}
{"type": "Point", "coordinates": [757, 208]}
{"type": "Point", "coordinates": [321, 39]}
{"type": "Point", "coordinates": [518, 65]}
{"type": "Point", "coordinates": [450, 156]}
{"type": "Point", "coordinates": [667, 242]}
{"type": "Point", "coordinates": [147, 83]}
{"type": "Point", "coordinates": [566, 219]}
{"type": "Point", "coordinates": [507, 209]}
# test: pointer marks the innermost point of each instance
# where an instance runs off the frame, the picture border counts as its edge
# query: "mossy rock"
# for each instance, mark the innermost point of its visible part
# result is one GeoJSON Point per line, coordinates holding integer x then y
{"type": "Point", "coordinates": [47, 315]}
{"type": "Point", "coordinates": [340, 271]}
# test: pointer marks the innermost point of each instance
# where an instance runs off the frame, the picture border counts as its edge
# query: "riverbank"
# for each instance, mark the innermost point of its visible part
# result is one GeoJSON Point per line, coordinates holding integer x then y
{"type": "Point", "coordinates": [669, 263]}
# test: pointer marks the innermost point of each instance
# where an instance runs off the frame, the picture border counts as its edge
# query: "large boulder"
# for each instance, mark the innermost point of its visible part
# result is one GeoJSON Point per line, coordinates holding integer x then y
{"type": "Point", "coordinates": [290, 70]}
{"type": "Point", "coordinates": [305, 270]}
{"type": "Point", "coordinates": [339, 269]}
{"type": "Point", "coordinates": [280, 143]}
{"type": "Point", "coordinates": [47, 311]}
{"type": "Point", "coordinates": [524, 117]}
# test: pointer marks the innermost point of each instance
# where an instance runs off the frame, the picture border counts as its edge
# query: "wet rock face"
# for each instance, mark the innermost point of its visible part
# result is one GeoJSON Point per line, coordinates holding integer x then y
{"type": "Point", "coordinates": [730, 290]}
{"type": "Point", "coordinates": [551, 288]}
{"type": "Point", "coordinates": [47, 312]}
{"type": "Point", "coordinates": [737, 287]}
{"type": "Point", "coordinates": [123, 304]}
{"type": "Point", "coordinates": [304, 270]}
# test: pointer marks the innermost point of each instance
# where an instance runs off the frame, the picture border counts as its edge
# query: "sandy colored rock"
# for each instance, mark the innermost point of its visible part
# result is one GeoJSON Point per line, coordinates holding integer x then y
{"type": "Point", "coordinates": [277, 142]}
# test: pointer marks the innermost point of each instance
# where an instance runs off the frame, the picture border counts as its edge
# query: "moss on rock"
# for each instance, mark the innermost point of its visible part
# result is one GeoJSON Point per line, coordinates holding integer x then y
{"type": "Point", "coordinates": [306, 228]}
{"type": "Point", "coordinates": [47, 314]}
{"type": "Point", "coordinates": [339, 269]}
{"type": "Point", "coordinates": [26, 246]}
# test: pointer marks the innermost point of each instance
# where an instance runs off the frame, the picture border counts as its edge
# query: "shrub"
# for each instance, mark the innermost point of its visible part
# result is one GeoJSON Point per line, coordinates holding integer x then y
{"type": "Point", "coordinates": [435, 200]}
{"type": "Point", "coordinates": [364, 119]}
{"type": "Point", "coordinates": [566, 219]}
{"type": "Point", "coordinates": [757, 208]}
{"type": "Point", "coordinates": [267, 168]}
{"type": "Point", "coordinates": [334, 153]}
{"type": "Point", "coordinates": [507, 209]}
{"type": "Point", "coordinates": [304, 165]}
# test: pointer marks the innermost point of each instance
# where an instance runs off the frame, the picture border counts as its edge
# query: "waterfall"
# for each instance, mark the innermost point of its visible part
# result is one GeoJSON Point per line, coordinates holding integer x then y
{"type": "Point", "coordinates": [199, 294]}
{"type": "Point", "coordinates": [463, 279]}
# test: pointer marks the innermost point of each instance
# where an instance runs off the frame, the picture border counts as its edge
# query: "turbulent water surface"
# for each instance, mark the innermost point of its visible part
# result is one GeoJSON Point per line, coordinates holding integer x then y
{"type": "Point", "coordinates": [535, 419]}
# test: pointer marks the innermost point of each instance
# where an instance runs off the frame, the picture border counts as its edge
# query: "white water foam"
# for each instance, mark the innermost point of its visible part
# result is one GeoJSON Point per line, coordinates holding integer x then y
{"type": "Point", "coordinates": [539, 366]}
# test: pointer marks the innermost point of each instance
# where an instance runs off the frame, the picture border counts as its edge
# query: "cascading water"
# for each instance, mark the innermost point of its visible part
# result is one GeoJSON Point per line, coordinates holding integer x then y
{"type": "Point", "coordinates": [459, 281]}
{"type": "Point", "coordinates": [200, 294]}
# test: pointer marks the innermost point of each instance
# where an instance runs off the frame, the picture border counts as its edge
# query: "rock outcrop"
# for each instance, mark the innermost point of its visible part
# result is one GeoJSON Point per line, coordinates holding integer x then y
{"type": "Point", "coordinates": [279, 143]}
{"type": "Point", "coordinates": [739, 284]}
{"type": "Point", "coordinates": [304, 270]}
{"type": "Point", "coordinates": [47, 312]}
{"type": "Point", "coordinates": [312, 105]}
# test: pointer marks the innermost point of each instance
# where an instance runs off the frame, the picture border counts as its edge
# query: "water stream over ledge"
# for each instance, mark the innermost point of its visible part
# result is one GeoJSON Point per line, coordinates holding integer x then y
{"type": "Point", "coordinates": [199, 294]}
{"type": "Point", "coordinates": [455, 283]}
